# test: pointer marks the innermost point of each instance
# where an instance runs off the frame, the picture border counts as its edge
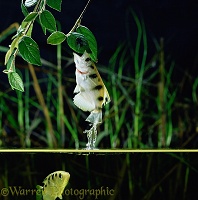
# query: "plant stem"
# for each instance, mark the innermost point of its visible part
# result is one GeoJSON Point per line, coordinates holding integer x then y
{"type": "Point", "coordinates": [138, 77]}
{"type": "Point", "coordinates": [78, 21]}
{"type": "Point", "coordinates": [60, 106]}
{"type": "Point", "coordinates": [20, 117]}
{"type": "Point", "coordinates": [26, 109]}
{"type": "Point", "coordinates": [161, 91]}
{"type": "Point", "coordinates": [131, 187]}
{"type": "Point", "coordinates": [51, 138]}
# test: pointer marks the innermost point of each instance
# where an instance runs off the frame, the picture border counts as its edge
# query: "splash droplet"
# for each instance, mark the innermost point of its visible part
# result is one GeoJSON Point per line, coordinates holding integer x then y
{"type": "Point", "coordinates": [91, 136]}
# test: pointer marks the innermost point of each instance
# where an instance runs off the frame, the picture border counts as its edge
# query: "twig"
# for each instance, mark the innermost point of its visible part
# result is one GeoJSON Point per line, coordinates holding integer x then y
{"type": "Point", "coordinates": [78, 21]}
{"type": "Point", "coordinates": [51, 138]}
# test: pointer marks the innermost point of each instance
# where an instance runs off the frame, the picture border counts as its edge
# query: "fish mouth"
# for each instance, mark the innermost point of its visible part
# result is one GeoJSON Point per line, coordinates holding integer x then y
{"type": "Point", "coordinates": [81, 71]}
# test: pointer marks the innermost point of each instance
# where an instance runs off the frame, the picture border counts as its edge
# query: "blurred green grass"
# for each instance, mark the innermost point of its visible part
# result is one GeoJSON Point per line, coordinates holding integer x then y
{"type": "Point", "coordinates": [145, 109]}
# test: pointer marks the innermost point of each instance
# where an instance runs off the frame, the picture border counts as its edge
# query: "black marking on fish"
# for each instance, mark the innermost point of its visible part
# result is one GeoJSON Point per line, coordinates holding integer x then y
{"type": "Point", "coordinates": [55, 174]}
{"type": "Point", "coordinates": [52, 176]}
{"type": "Point", "coordinates": [60, 175]}
{"type": "Point", "coordinates": [92, 67]}
{"type": "Point", "coordinates": [48, 178]}
{"type": "Point", "coordinates": [92, 76]}
{"type": "Point", "coordinates": [106, 99]}
{"type": "Point", "coordinates": [100, 98]}
{"type": "Point", "coordinates": [98, 87]}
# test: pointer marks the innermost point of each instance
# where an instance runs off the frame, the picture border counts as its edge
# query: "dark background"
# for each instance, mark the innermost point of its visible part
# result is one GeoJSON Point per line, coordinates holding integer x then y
{"type": "Point", "coordinates": [164, 176]}
{"type": "Point", "coordinates": [168, 176]}
{"type": "Point", "coordinates": [174, 20]}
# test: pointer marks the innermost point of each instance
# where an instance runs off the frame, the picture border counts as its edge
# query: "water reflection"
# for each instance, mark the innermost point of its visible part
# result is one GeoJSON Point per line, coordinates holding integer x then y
{"type": "Point", "coordinates": [102, 175]}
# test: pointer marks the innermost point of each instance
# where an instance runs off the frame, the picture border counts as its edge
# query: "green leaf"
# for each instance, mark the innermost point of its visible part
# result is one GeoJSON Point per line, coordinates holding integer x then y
{"type": "Point", "coordinates": [22, 27]}
{"type": "Point", "coordinates": [43, 28]}
{"type": "Point", "coordinates": [91, 41]}
{"type": "Point", "coordinates": [48, 20]}
{"type": "Point", "coordinates": [29, 50]}
{"type": "Point", "coordinates": [15, 81]}
{"type": "Point", "coordinates": [31, 16]}
{"type": "Point", "coordinates": [7, 56]}
{"type": "Point", "coordinates": [56, 38]}
{"type": "Point", "coordinates": [55, 4]}
{"type": "Point", "coordinates": [13, 45]}
{"type": "Point", "coordinates": [10, 67]}
{"type": "Point", "coordinates": [29, 33]}
{"type": "Point", "coordinates": [24, 9]}
{"type": "Point", "coordinates": [78, 42]}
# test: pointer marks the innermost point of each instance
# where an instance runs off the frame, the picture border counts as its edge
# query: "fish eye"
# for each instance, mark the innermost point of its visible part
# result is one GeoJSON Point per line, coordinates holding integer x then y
{"type": "Point", "coordinates": [87, 59]}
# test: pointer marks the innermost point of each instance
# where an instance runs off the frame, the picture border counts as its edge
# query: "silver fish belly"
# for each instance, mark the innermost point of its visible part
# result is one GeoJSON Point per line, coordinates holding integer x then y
{"type": "Point", "coordinates": [92, 94]}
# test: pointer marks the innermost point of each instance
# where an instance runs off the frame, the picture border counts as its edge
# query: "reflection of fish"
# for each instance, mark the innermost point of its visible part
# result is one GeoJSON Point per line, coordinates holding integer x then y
{"type": "Point", "coordinates": [91, 91]}
{"type": "Point", "coordinates": [54, 184]}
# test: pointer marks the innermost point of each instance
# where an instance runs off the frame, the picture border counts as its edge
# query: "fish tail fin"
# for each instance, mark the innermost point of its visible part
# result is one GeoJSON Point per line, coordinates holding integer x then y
{"type": "Point", "coordinates": [95, 117]}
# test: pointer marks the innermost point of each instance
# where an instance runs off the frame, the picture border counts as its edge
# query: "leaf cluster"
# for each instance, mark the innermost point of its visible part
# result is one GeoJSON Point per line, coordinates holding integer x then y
{"type": "Point", "coordinates": [79, 39]}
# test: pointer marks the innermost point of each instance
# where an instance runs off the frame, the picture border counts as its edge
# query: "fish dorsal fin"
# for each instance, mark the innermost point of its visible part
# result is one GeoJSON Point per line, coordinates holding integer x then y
{"type": "Point", "coordinates": [107, 98]}
{"type": "Point", "coordinates": [105, 94]}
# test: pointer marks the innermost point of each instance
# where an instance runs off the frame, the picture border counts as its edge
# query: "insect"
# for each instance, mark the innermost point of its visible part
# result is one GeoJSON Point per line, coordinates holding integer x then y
{"type": "Point", "coordinates": [91, 93]}
{"type": "Point", "coordinates": [29, 3]}
{"type": "Point", "coordinates": [54, 185]}
{"type": "Point", "coordinates": [80, 42]}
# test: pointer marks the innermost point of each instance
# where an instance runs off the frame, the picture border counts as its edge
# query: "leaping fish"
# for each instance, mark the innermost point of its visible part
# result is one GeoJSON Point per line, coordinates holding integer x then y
{"type": "Point", "coordinates": [54, 185]}
{"type": "Point", "coordinates": [92, 94]}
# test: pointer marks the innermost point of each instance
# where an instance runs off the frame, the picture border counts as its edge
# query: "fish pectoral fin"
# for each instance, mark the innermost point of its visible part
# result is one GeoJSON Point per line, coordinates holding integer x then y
{"type": "Point", "coordinates": [95, 117]}
{"type": "Point", "coordinates": [60, 196]}
{"type": "Point", "coordinates": [77, 89]}
{"type": "Point", "coordinates": [38, 187]}
{"type": "Point", "coordinates": [83, 101]}
{"type": "Point", "coordinates": [49, 197]}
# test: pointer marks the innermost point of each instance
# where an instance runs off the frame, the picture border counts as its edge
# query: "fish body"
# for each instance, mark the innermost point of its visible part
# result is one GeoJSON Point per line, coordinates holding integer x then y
{"type": "Point", "coordinates": [92, 94]}
{"type": "Point", "coordinates": [54, 185]}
